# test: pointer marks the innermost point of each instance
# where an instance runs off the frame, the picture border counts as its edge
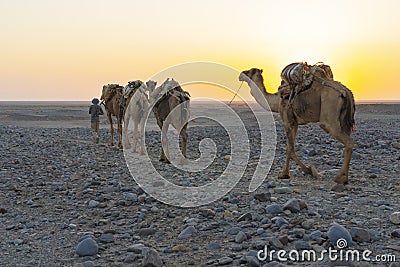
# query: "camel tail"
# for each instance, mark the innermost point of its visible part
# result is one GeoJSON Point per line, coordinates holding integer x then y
{"type": "Point", "coordinates": [347, 113]}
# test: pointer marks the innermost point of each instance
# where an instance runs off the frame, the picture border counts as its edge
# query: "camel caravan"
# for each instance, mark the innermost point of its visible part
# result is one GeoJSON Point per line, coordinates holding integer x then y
{"type": "Point", "coordinates": [307, 94]}
{"type": "Point", "coordinates": [132, 102]}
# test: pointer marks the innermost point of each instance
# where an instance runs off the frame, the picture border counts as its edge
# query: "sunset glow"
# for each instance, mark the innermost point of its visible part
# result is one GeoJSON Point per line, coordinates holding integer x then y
{"type": "Point", "coordinates": [66, 50]}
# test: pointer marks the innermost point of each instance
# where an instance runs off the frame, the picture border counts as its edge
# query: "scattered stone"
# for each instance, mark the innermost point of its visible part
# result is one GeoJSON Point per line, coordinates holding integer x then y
{"type": "Point", "coordinates": [395, 233]}
{"type": "Point", "coordinates": [180, 248]}
{"type": "Point", "coordinates": [395, 218]}
{"type": "Point", "coordinates": [282, 190]}
{"type": "Point", "coordinates": [275, 242]}
{"type": "Point", "coordinates": [338, 188]}
{"type": "Point", "coordinates": [228, 214]}
{"type": "Point", "coordinates": [106, 238]}
{"type": "Point", "coordinates": [308, 224]}
{"type": "Point", "coordinates": [234, 230]}
{"type": "Point", "coordinates": [151, 258]}
{"type": "Point", "coordinates": [208, 213]}
{"type": "Point", "coordinates": [212, 246]}
{"type": "Point", "coordinates": [146, 231]}
{"type": "Point", "coordinates": [273, 209]}
{"type": "Point", "coordinates": [3, 210]}
{"type": "Point", "coordinates": [87, 247]}
{"type": "Point", "coordinates": [93, 203]}
{"type": "Point", "coordinates": [245, 217]}
{"type": "Point", "coordinates": [252, 261]}
{"type": "Point", "coordinates": [225, 260]}
{"type": "Point", "coordinates": [240, 237]}
{"type": "Point", "coordinates": [360, 234]}
{"type": "Point", "coordinates": [336, 232]}
{"type": "Point", "coordinates": [131, 258]}
{"type": "Point", "coordinates": [279, 221]}
{"type": "Point", "coordinates": [136, 248]}
{"type": "Point", "coordinates": [302, 245]}
{"type": "Point", "coordinates": [263, 197]}
{"type": "Point", "coordinates": [187, 232]}
{"type": "Point", "coordinates": [293, 205]}
{"type": "Point", "coordinates": [316, 235]}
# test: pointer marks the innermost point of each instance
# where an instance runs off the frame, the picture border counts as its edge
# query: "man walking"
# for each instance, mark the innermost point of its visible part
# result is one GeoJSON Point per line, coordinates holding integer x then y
{"type": "Point", "coordinates": [95, 110]}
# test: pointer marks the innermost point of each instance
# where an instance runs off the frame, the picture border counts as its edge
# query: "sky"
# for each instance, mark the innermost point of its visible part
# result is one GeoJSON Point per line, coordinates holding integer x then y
{"type": "Point", "coordinates": [67, 50]}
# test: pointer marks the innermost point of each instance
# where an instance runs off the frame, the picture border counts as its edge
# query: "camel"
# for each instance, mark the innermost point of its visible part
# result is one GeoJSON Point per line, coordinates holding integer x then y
{"type": "Point", "coordinates": [166, 98]}
{"type": "Point", "coordinates": [137, 110]}
{"type": "Point", "coordinates": [325, 101]}
{"type": "Point", "coordinates": [111, 97]}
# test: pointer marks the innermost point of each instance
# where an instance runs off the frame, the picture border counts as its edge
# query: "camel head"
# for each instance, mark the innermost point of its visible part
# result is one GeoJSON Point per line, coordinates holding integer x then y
{"type": "Point", "coordinates": [253, 74]}
{"type": "Point", "coordinates": [151, 85]}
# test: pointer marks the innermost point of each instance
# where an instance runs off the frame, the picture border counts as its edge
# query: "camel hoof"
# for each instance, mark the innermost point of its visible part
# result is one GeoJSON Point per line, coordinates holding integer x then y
{"type": "Point", "coordinates": [341, 179]}
{"type": "Point", "coordinates": [165, 161]}
{"type": "Point", "coordinates": [314, 171]}
{"type": "Point", "coordinates": [111, 144]}
{"type": "Point", "coordinates": [283, 176]}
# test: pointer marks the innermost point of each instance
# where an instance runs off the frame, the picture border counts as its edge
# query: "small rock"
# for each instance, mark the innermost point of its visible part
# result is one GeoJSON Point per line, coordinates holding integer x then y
{"type": "Point", "coordinates": [263, 197]}
{"type": "Point", "coordinates": [106, 238]}
{"type": "Point", "coordinates": [240, 237]}
{"type": "Point", "coordinates": [147, 231]}
{"type": "Point", "coordinates": [208, 213]}
{"type": "Point", "coordinates": [279, 221]}
{"type": "Point", "coordinates": [228, 214]}
{"type": "Point", "coordinates": [88, 264]}
{"type": "Point", "coordinates": [3, 210]}
{"type": "Point", "coordinates": [234, 230]}
{"type": "Point", "coordinates": [225, 260]}
{"type": "Point", "coordinates": [252, 261]}
{"type": "Point", "coordinates": [273, 209]}
{"type": "Point", "coordinates": [136, 248]}
{"type": "Point", "coordinates": [282, 190]}
{"type": "Point", "coordinates": [212, 246]}
{"type": "Point", "coordinates": [308, 224]}
{"type": "Point", "coordinates": [130, 258]}
{"type": "Point", "coordinates": [312, 153]}
{"type": "Point", "coordinates": [395, 217]}
{"type": "Point", "coordinates": [336, 232]}
{"type": "Point", "coordinates": [360, 234]}
{"type": "Point", "coordinates": [93, 203]}
{"type": "Point", "coordinates": [87, 247]}
{"type": "Point", "coordinates": [395, 233]}
{"type": "Point", "coordinates": [180, 248]}
{"type": "Point", "coordinates": [338, 188]}
{"type": "Point", "coordinates": [187, 232]}
{"type": "Point", "coordinates": [293, 205]}
{"type": "Point", "coordinates": [302, 245]}
{"type": "Point", "coordinates": [151, 258]}
{"type": "Point", "coordinates": [275, 242]}
{"type": "Point", "coordinates": [316, 235]}
{"type": "Point", "coordinates": [245, 217]}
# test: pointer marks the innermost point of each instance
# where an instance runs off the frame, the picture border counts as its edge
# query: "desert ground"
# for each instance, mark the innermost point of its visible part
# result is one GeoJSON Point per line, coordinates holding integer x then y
{"type": "Point", "coordinates": [58, 188]}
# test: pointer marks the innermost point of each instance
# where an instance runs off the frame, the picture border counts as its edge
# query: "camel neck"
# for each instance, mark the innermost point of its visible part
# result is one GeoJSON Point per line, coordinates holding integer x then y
{"type": "Point", "coordinates": [259, 92]}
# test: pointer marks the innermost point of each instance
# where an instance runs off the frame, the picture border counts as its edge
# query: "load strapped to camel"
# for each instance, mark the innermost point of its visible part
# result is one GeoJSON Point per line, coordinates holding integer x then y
{"type": "Point", "coordinates": [110, 90]}
{"type": "Point", "coordinates": [132, 87]}
{"type": "Point", "coordinates": [298, 77]}
{"type": "Point", "coordinates": [167, 89]}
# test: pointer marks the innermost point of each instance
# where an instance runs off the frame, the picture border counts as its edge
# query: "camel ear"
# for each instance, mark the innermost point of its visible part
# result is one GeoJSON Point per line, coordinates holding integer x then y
{"type": "Point", "coordinates": [261, 70]}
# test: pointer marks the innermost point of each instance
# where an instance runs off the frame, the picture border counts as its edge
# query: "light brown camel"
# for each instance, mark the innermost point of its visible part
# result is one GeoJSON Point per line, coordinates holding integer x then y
{"type": "Point", "coordinates": [111, 97]}
{"type": "Point", "coordinates": [167, 97]}
{"type": "Point", "coordinates": [326, 101]}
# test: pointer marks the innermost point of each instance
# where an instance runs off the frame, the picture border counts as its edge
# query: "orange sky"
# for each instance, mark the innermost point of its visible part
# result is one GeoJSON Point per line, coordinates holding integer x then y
{"type": "Point", "coordinates": [66, 50]}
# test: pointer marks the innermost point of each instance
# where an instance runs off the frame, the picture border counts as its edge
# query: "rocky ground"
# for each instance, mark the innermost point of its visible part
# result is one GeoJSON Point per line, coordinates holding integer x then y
{"type": "Point", "coordinates": [67, 202]}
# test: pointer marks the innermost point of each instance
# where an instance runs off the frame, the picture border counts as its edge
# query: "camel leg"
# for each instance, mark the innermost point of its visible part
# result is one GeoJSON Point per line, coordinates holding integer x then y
{"type": "Point", "coordinates": [119, 133]}
{"type": "Point", "coordinates": [142, 121]}
{"type": "Point", "coordinates": [343, 176]}
{"type": "Point", "coordinates": [162, 157]}
{"type": "Point", "coordinates": [127, 144]}
{"type": "Point", "coordinates": [164, 144]}
{"type": "Point", "coordinates": [184, 135]}
{"type": "Point", "coordinates": [135, 135]}
{"type": "Point", "coordinates": [111, 128]}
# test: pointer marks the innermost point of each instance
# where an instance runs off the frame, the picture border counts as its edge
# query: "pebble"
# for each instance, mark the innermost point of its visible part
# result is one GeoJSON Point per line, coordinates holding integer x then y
{"type": "Point", "coordinates": [225, 260]}
{"type": "Point", "coordinates": [130, 258]}
{"type": "Point", "coordinates": [395, 217]}
{"type": "Point", "coordinates": [240, 237]}
{"type": "Point", "coordinates": [275, 242]}
{"type": "Point", "coordinates": [245, 217]}
{"type": "Point", "coordinates": [136, 248]}
{"type": "Point", "coordinates": [252, 261]}
{"type": "Point", "coordinates": [338, 188]}
{"type": "Point", "coordinates": [151, 258]}
{"type": "Point", "coordinates": [213, 245]}
{"type": "Point", "coordinates": [308, 224]}
{"type": "Point", "coordinates": [273, 209]}
{"type": "Point", "coordinates": [359, 234]}
{"type": "Point", "coordinates": [187, 232]}
{"type": "Point", "coordinates": [93, 203]}
{"type": "Point", "coordinates": [279, 221]}
{"type": "Point", "coordinates": [87, 247]}
{"type": "Point", "coordinates": [146, 231]}
{"type": "Point", "coordinates": [234, 230]}
{"type": "Point", "coordinates": [263, 197]}
{"type": "Point", "coordinates": [395, 233]}
{"type": "Point", "coordinates": [282, 190]}
{"type": "Point", "coordinates": [106, 238]}
{"type": "Point", "coordinates": [293, 205]}
{"type": "Point", "coordinates": [336, 232]}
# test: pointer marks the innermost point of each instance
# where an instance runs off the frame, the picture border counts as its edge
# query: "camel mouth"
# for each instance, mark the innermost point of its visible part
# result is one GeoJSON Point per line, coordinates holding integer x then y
{"type": "Point", "coordinates": [243, 77]}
